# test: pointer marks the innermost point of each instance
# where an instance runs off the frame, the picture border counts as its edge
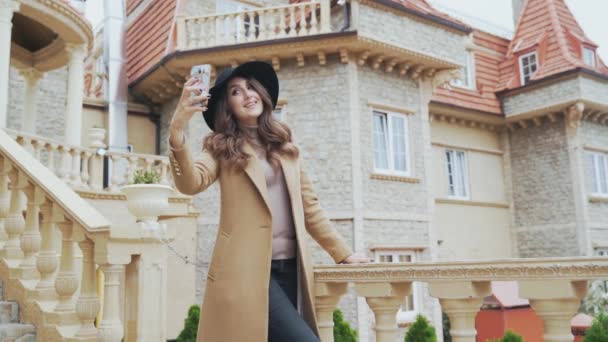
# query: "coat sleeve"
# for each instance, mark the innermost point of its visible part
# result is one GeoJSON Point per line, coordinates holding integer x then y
{"type": "Point", "coordinates": [192, 177]}
{"type": "Point", "coordinates": [318, 225]}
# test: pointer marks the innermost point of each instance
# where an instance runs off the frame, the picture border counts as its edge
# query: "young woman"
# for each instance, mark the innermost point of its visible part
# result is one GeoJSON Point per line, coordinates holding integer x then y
{"type": "Point", "coordinates": [260, 280]}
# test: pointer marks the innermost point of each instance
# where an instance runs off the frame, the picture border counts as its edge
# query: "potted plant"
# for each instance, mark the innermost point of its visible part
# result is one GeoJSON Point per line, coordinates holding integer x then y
{"type": "Point", "coordinates": [146, 198]}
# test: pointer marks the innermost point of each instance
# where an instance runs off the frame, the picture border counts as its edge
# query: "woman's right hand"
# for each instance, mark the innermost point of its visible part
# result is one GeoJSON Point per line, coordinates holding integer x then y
{"type": "Point", "coordinates": [186, 107]}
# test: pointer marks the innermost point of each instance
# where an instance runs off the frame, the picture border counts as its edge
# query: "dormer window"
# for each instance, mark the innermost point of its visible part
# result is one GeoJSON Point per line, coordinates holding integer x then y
{"type": "Point", "coordinates": [528, 64]}
{"type": "Point", "coordinates": [467, 73]}
{"type": "Point", "coordinates": [589, 56]}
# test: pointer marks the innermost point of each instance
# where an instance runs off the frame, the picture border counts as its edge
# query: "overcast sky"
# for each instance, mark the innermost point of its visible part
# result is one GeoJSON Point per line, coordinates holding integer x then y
{"type": "Point", "coordinates": [590, 14]}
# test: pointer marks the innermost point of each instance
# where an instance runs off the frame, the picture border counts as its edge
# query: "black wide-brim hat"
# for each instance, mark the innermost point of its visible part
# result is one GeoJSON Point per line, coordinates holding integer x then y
{"type": "Point", "coordinates": [261, 71]}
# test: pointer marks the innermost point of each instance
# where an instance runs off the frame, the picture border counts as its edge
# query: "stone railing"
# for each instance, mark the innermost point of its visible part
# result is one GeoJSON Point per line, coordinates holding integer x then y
{"type": "Point", "coordinates": [56, 282]}
{"type": "Point", "coordinates": [83, 167]}
{"type": "Point", "coordinates": [554, 288]}
{"type": "Point", "coordinates": [260, 24]}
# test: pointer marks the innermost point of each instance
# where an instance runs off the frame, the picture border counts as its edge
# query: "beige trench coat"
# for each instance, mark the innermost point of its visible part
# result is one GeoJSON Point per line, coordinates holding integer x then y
{"type": "Point", "coordinates": [235, 304]}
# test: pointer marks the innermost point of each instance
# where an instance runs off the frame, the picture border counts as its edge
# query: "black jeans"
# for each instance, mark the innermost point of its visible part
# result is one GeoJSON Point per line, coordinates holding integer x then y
{"type": "Point", "coordinates": [284, 322]}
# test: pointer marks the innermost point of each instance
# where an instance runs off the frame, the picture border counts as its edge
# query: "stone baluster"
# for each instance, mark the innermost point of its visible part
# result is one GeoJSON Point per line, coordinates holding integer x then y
{"type": "Point", "coordinates": [164, 171]}
{"type": "Point", "coordinates": [66, 283]}
{"type": "Point", "coordinates": [325, 16]}
{"type": "Point", "coordinates": [282, 23]}
{"type": "Point", "coordinates": [292, 22]}
{"type": "Point", "coordinates": [117, 177]}
{"type": "Point", "coordinates": [87, 305]}
{"type": "Point", "coordinates": [15, 223]}
{"type": "Point", "coordinates": [327, 297]}
{"type": "Point", "coordinates": [47, 258]}
{"type": "Point", "coordinates": [86, 159]}
{"type": "Point", "coordinates": [461, 302]}
{"type": "Point", "coordinates": [96, 138]}
{"type": "Point", "coordinates": [181, 32]}
{"type": "Point", "coordinates": [313, 19]}
{"type": "Point", "coordinates": [110, 327]}
{"type": "Point", "coordinates": [30, 239]}
{"type": "Point", "coordinates": [261, 15]}
{"type": "Point", "coordinates": [384, 299]}
{"type": "Point", "coordinates": [210, 32]}
{"type": "Point", "coordinates": [50, 151]}
{"type": "Point", "coordinates": [37, 146]}
{"type": "Point", "coordinates": [555, 302]}
{"type": "Point", "coordinates": [148, 163]}
{"type": "Point", "coordinates": [5, 200]}
{"type": "Point", "coordinates": [192, 40]}
{"type": "Point", "coordinates": [64, 170]}
{"type": "Point", "coordinates": [239, 24]}
{"type": "Point", "coordinates": [198, 34]}
{"type": "Point", "coordinates": [75, 170]}
{"type": "Point", "coordinates": [225, 24]}
{"type": "Point", "coordinates": [303, 29]}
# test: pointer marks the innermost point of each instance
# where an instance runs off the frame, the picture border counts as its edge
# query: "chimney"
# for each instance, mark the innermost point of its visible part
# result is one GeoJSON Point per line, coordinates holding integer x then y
{"type": "Point", "coordinates": [517, 7]}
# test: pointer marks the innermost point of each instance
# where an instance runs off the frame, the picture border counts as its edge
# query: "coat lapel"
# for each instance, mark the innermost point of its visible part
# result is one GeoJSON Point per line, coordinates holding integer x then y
{"type": "Point", "coordinates": [290, 179]}
{"type": "Point", "coordinates": [255, 171]}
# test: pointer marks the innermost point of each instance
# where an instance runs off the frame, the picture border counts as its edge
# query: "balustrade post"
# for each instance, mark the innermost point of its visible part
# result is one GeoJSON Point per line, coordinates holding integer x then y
{"type": "Point", "coordinates": [75, 173]}
{"type": "Point", "coordinates": [313, 19]}
{"type": "Point", "coordinates": [30, 239]}
{"type": "Point", "coordinates": [64, 169]}
{"type": "Point", "coordinates": [15, 223]}
{"type": "Point", "coordinates": [47, 258]}
{"type": "Point", "coordinates": [182, 42]}
{"type": "Point", "coordinates": [282, 23]}
{"type": "Point", "coordinates": [327, 297]}
{"type": "Point", "coordinates": [5, 204]}
{"type": "Point", "coordinates": [164, 171]}
{"type": "Point", "coordinates": [261, 24]}
{"type": "Point", "coordinates": [84, 176]}
{"type": "Point", "coordinates": [555, 302]}
{"type": "Point", "coordinates": [292, 22]}
{"type": "Point", "coordinates": [66, 283]}
{"type": "Point", "coordinates": [87, 305]}
{"type": "Point", "coordinates": [110, 327]}
{"type": "Point", "coordinates": [96, 138]}
{"type": "Point", "coordinates": [50, 151]}
{"type": "Point", "coordinates": [461, 302]}
{"type": "Point", "coordinates": [384, 299]}
{"type": "Point", "coordinates": [325, 16]}
{"type": "Point", "coordinates": [116, 176]}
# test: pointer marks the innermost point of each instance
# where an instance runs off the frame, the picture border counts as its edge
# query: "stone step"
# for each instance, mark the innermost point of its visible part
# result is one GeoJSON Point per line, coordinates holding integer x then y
{"type": "Point", "coordinates": [13, 332]}
{"type": "Point", "coordinates": [9, 312]}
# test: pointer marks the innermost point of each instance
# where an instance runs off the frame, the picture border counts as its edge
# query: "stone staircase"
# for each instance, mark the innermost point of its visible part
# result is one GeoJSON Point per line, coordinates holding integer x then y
{"type": "Point", "coordinates": [11, 330]}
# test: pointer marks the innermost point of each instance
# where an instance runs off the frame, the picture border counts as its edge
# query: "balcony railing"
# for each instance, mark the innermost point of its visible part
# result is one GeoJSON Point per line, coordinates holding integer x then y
{"type": "Point", "coordinates": [82, 167]}
{"type": "Point", "coordinates": [295, 20]}
{"type": "Point", "coordinates": [553, 286]}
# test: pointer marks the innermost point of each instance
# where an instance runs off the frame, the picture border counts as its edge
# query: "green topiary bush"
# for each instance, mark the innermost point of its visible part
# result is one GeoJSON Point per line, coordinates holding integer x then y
{"type": "Point", "coordinates": [511, 337]}
{"type": "Point", "coordinates": [446, 327]}
{"type": "Point", "coordinates": [146, 177]}
{"type": "Point", "coordinates": [421, 331]}
{"type": "Point", "coordinates": [342, 330]}
{"type": "Point", "coordinates": [598, 332]}
{"type": "Point", "coordinates": [190, 325]}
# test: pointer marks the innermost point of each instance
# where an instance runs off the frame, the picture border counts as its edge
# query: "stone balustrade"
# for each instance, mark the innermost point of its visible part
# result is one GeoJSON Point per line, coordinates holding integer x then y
{"type": "Point", "coordinates": [83, 167]}
{"type": "Point", "coordinates": [56, 242]}
{"type": "Point", "coordinates": [554, 287]}
{"type": "Point", "coordinates": [260, 24]}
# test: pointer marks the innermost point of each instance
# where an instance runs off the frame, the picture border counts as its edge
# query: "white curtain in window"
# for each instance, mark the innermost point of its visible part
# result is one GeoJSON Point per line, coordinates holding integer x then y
{"type": "Point", "coordinates": [457, 173]}
{"type": "Point", "coordinates": [399, 147]}
{"type": "Point", "coordinates": [380, 141]}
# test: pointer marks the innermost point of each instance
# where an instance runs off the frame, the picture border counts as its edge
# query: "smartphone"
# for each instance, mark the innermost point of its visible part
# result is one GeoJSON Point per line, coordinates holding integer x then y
{"type": "Point", "coordinates": [203, 73]}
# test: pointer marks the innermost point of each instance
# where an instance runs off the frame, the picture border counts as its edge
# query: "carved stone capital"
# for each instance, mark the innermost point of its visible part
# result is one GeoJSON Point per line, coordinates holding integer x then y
{"type": "Point", "coordinates": [574, 114]}
{"type": "Point", "coordinates": [445, 76]}
{"type": "Point", "coordinates": [76, 52]}
{"type": "Point", "coordinates": [31, 75]}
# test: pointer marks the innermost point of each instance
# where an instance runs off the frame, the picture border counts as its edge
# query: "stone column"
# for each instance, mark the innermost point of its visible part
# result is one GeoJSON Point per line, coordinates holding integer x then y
{"type": "Point", "coordinates": [7, 8]}
{"type": "Point", "coordinates": [384, 299]}
{"type": "Point", "coordinates": [327, 297]}
{"type": "Point", "coordinates": [31, 76]}
{"type": "Point", "coordinates": [73, 119]}
{"type": "Point", "coordinates": [556, 302]}
{"type": "Point", "coordinates": [87, 306]}
{"type": "Point", "coordinates": [461, 302]}
{"type": "Point", "coordinates": [110, 327]}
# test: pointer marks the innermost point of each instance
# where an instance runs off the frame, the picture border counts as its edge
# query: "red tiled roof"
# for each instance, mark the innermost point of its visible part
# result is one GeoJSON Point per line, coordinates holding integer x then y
{"type": "Point", "coordinates": [422, 7]}
{"type": "Point", "coordinates": [548, 27]}
{"type": "Point", "coordinates": [132, 5]}
{"type": "Point", "coordinates": [487, 73]}
{"type": "Point", "coordinates": [148, 37]}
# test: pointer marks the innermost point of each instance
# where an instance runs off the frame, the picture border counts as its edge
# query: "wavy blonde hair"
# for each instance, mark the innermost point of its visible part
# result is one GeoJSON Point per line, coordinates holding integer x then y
{"type": "Point", "coordinates": [227, 141]}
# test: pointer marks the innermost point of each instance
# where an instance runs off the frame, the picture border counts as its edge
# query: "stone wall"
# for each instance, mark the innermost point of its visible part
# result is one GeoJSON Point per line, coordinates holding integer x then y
{"type": "Point", "coordinates": [543, 195]}
{"type": "Point", "coordinates": [596, 135]}
{"type": "Point", "coordinates": [553, 94]}
{"type": "Point", "coordinates": [51, 106]}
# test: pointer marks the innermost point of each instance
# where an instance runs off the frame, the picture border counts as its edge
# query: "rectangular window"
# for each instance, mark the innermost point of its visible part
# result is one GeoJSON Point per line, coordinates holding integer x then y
{"type": "Point", "coordinates": [528, 64]}
{"type": "Point", "coordinates": [468, 73]}
{"type": "Point", "coordinates": [457, 171]}
{"type": "Point", "coordinates": [599, 173]}
{"type": "Point", "coordinates": [589, 56]}
{"type": "Point", "coordinates": [390, 134]}
{"type": "Point", "coordinates": [409, 306]}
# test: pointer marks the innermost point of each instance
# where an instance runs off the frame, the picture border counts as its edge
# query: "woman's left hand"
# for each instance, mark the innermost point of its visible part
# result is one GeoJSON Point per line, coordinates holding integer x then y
{"type": "Point", "coordinates": [356, 259]}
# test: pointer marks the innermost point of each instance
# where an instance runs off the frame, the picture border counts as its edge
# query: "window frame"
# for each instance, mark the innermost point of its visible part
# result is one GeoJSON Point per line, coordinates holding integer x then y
{"type": "Point", "coordinates": [521, 66]}
{"type": "Point", "coordinates": [403, 315]}
{"type": "Point", "coordinates": [389, 144]}
{"type": "Point", "coordinates": [597, 158]}
{"type": "Point", "coordinates": [280, 111]}
{"type": "Point", "coordinates": [468, 73]}
{"type": "Point", "coordinates": [466, 182]}
{"type": "Point", "coordinates": [593, 57]}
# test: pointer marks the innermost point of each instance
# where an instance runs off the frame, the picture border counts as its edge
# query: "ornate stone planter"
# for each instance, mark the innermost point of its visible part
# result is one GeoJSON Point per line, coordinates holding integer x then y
{"type": "Point", "coordinates": [147, 201]}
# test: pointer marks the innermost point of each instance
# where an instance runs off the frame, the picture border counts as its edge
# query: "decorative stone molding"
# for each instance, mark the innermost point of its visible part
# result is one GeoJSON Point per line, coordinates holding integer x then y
{"type": "Point", "coordinates": [472, 203]}
{"type": "Point", "coordinates": [574, 114]}
{"type": "Point", "coordinates": [394, 178]}
{"type": "Point", "coordinates": [468, 148]}
{"type": "Point", "coordinates": [466, 122]}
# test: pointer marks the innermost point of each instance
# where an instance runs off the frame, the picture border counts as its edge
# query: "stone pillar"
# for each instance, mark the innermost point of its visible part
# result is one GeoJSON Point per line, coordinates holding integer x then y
{"type": "Point", "coordinates": [73, 119]}
{"type": "Point", "coordinates": [7, 8]}
{"type": "Point", "coordinates": [327, 297]}
{"type": "Point", "coordinates": [461, 302]}
{"type": "Point", "coordinates": [110, 327]}
{"type": "Point", "coordinates": [555, 302]}
{"type": "Point", "coordinates": [384, 299]}
{"type": "Point", "coordinates": [67, 282]}
{"type": "Point", "coordinates": [88, 304]}
{"type": "Point", "coordinates": [31, 76]}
